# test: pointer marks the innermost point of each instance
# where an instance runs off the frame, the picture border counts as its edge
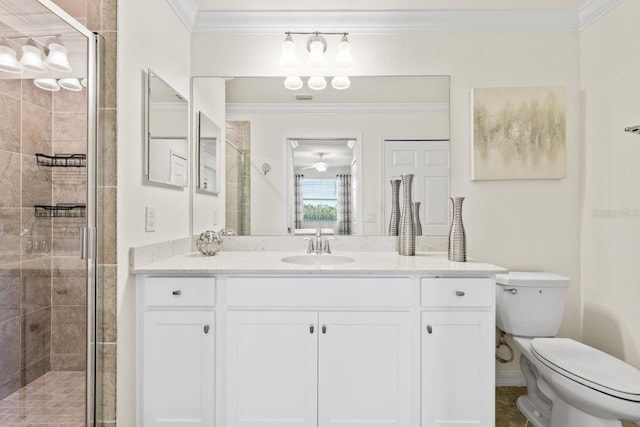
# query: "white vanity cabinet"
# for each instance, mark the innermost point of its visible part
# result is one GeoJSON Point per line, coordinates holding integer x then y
{"type": "Point", "coordinates": [176, 355]}
{"type": "Point", "coordinates": [457, 361]}
{"type": "Point", "coordinates": [314, 357]}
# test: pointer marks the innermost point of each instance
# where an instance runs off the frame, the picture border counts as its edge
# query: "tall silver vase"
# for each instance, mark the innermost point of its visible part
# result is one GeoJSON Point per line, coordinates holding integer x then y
{"type": "Point", "coordinates": [407, 226]}
{"type": "Point", "coordinates": [416, 218]}
{"type": "Point", "coordinates": [395, 207]}
{"type": "Point", "coordinates": [457, 237]}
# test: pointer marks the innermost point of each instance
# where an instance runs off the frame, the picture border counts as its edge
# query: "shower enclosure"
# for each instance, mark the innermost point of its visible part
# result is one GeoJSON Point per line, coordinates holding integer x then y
{"type": "Point", "coordinates": [49, 74]}
{"type": "Point", "coordinates": [238, 176]}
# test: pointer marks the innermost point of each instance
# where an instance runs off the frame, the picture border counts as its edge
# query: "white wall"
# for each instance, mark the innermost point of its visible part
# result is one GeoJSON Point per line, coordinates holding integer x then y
{"type": "Point", "coordinates": [268, 135]}
{"type": "Point", "coordinates": [610, 68]}
{"type": "Point", "coordinates": [149, 36]}
{"type": "Point", "coordinates": [522, 225]}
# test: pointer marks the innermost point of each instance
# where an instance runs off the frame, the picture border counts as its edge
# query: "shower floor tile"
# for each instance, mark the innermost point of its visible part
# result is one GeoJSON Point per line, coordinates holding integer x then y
{"type": "Point", "coordinates": [54, 399]}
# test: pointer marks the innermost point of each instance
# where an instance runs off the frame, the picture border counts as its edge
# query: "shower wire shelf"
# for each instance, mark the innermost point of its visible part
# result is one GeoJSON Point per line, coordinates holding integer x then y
{"type": "Point", "coordinates": [61, 210]}
{"type": "Point", "coordinates": [62, 160]}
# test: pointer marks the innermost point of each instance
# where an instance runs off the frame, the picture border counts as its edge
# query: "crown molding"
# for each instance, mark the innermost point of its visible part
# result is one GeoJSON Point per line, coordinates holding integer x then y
{"type": "Point", "coordinates": [391, 21]}
{"type": "Point", "coordinates": [593, 10]}
{"type": "Point", "coordinates": [387, 21]}
{"type": "Point", "coordinates": [334, 108]}
{"type": "Point", "coordinates": [186, 10]}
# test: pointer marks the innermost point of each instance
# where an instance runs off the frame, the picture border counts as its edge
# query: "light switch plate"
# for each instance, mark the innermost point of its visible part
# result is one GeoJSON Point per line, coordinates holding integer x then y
{"type": "Point", "coordinates": [150, 219]}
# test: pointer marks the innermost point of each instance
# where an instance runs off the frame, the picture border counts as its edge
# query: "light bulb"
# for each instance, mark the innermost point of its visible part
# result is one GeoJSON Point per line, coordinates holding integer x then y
{"type": "Point", "coordinates": [71, 84]}
{"type": "Point", "coordinates": [57, 59]}
{"type": "Point", "coordinates": [289, 60]}
{"type": "Point", "coordinates": [344, 61]}
{"type": "Point", "coordinates": [317, 83]}
{"type": "Point", "coordinates": [8, 60]}
{"type": "Point", "coordinates": [316, 47]}
{"type": "Point", "coordinates": [47, 84]}
{"type": "Point", "coordinates": [293, 83]}
{"type": "Point", "coordinates": [340, 82]}
{"type": "Point", "coordinates": [32, 58]}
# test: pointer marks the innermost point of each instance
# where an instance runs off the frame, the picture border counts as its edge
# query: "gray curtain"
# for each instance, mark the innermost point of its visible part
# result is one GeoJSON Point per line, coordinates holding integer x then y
{"type": "Point", "coordinates": [298, 202]}
{"type": "Point", "coordinates": [343, 181]}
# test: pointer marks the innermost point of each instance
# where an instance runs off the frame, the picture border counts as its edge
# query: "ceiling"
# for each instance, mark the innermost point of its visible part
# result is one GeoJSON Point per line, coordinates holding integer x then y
{"type": "Point", "coordinates": [335, 153]}
{"type": "Point", "coordinates": [282, 5]}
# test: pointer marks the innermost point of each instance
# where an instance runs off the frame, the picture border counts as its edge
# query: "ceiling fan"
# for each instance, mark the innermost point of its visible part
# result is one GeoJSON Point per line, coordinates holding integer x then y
{"type": "Point", "coordinates": [320, 166]}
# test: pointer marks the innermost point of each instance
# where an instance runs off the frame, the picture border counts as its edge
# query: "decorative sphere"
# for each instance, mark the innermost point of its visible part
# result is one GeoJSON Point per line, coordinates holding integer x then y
{"type": "Point", "coordinates": [209, 243]}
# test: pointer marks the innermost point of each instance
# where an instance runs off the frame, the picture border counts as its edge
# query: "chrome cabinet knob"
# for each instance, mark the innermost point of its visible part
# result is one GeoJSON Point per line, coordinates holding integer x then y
{"type": "Point", "coordinates": [176, 293]}
{"type": "Point", "coordinates": [459, 293]}
{"type": "Point", "coordinates": [429, 329]}
{"type": "Point", "coordinates": [206, 329]}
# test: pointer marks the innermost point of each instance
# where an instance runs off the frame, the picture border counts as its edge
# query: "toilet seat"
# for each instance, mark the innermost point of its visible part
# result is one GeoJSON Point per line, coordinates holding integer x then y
{"type": "Point", "coordinates": [589, 367]}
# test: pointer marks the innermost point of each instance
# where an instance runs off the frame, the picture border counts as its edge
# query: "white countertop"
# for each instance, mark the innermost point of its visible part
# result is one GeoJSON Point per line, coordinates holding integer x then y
{"type": "Point", "coordinates": [270, 262]}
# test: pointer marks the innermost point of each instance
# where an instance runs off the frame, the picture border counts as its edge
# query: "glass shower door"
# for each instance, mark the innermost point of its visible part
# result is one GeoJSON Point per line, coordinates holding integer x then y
{"type": "Point", "coordinates": [48, 133]}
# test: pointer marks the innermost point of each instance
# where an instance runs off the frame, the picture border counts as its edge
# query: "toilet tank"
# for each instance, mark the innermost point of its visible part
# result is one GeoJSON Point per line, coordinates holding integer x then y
{"type": "Point", "coordinates": [530, 304]}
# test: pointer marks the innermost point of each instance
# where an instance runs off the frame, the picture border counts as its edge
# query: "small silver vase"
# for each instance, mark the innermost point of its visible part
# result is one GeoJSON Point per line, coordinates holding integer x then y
{"type": "Point", "coordinates": [416, 218]}
{"type": "Point", "coordinates": [407, 230]}
{"type": "Point", "coordinates": [457, 237]}
{"type": "Point", "coordinates": [394, 222]}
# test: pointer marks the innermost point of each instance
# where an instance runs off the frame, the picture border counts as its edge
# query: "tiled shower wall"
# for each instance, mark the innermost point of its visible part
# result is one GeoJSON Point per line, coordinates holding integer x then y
{"type": "Point", "coordinates": [42, 306]}
{"type": "Point", "coordinates": [238, 177]}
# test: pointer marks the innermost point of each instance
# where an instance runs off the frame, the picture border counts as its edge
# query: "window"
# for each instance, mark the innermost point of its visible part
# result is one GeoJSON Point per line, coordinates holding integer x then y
{"type": "Point", "coordinates": [320, 198]}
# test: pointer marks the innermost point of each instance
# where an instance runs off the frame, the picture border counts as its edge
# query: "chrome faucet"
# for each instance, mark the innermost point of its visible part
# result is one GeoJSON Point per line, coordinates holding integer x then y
{"type": "Point", "coordinates": [316, 245]}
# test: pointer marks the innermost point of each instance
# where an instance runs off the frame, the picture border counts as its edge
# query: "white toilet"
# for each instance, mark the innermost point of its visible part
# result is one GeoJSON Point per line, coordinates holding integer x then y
{"type": "Point", "coordinates": [569, 384]}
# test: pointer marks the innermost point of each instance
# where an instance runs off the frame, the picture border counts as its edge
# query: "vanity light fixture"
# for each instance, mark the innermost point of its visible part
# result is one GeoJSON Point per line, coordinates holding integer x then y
{"type": "Point", "coordinates": [8, 60]}
{"type": "Point", "coordinates": [316, 62]}
{"type": "Point", "coordinates": [57, 59]}
{"type": "Point", "coordinates": [71, 84]}
{"type": "Point", "coordinates": [47, 84]}
{"type": "Point", "coordinates": [32, 58]}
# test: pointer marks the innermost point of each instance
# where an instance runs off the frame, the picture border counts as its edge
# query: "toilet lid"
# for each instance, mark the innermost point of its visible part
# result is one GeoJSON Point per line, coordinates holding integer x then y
{"type": "Point", "coordinates": [536, 279]}
{"type": "Point", "coordinates": [588, 366]}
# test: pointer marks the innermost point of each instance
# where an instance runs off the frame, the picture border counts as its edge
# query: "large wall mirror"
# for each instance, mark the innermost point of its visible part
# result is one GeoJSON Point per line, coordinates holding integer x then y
{"type": "Point", "coordinates": [167, 134]}
{"type": "Point", "coordinates": [328, 155]}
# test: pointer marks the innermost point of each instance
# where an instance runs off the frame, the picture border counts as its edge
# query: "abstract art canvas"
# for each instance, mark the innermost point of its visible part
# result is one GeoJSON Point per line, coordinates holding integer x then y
{"type": "Point", "coordinates": [518, 133]}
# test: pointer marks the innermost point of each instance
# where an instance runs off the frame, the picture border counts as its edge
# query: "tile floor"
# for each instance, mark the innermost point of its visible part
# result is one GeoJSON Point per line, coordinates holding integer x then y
{"type": "Point", "coordinates": [507, 413]}
{"type": "Point", "coordinates": [55, 399]}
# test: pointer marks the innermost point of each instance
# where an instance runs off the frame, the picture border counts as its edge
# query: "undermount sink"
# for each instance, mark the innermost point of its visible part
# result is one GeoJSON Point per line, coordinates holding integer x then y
{"type": "Point", "coordinates": [313, 259]}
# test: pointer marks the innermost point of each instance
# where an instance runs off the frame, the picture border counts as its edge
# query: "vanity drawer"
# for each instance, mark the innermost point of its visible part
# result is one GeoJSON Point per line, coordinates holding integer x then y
{"type": "Point", "coordinates": [179, 291]}
{"type": "Point", "coordinates": [457, 292]}
{"type": "Point", "coordinates": [393, 292]}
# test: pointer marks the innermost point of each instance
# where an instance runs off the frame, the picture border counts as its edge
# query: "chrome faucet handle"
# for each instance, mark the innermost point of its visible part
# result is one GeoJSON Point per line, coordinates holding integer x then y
{"type": "Point", "coordinates": [327, 248]}
{"type": "Point", "coordinates": [310, 248]}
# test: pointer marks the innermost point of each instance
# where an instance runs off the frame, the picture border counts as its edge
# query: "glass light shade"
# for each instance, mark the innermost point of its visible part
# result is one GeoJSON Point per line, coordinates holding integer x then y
{"type": "Point", "coordinates": [57, 59]}
{"type": "Point", "coordinates": [47, 84]}
{"type": "Point", "coordinates": [8, 60]}
{"type": "Point", "coordinates": [83, 82]}
{"type": "Point", "coordinates": [32, 59]}
{"type": "Point", "coordinates": [71, 84]}
{"type": "Point", "coordinates": [344, 61]}
{"type": "Point", "coordinates": [293, 83]}
{"type": "Point", "coordinates": [340, 82]}
{"type": "Point", "coordinates": [316, 59]}
{"type": "Point", "coordinates": [321, 166]}
{"type": "Point", "coordinates": [289, 60]}
{"type": "Point", "coordinates": [317, 83]}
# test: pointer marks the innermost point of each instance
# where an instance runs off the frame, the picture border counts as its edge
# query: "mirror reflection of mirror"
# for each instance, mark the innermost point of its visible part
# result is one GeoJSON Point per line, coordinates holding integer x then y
{"type": "Point", "coordinates": [324, 194]}
{"type": "Point", "coordinates": [261, 117]}
{"type": "Point", "coordinates": [167, 143]}
{"type": "Point", "coordinates": [208, 166]}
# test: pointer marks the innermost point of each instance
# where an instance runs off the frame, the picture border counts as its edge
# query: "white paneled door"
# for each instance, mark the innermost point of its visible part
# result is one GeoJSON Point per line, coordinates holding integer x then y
{"type": "Point", "coordinates": [271, 369]}
{"type": "Point", "coordinates": [428, 160]}
{"type": "Point", "coordinates": [457, 371]}
{"type": "Point", "coordinates": [363, 370]}
{"type": "Point", "coordinates": [179, 367]}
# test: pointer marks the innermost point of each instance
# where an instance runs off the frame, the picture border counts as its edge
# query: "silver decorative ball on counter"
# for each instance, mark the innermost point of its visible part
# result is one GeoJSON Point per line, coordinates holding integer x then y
{"type": "Point", "coordinates": [209, 242]}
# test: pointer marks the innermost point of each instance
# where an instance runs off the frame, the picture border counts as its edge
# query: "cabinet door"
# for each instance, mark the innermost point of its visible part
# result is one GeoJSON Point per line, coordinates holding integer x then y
{"type": "Point", "coordinates": [364, 369]}
{"type": "Point", "coordinates": [178, 364]}
{"type": "Point", "coordinates": [272, 369]}
{"type": "Point", "coordinates": [457, 369]}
